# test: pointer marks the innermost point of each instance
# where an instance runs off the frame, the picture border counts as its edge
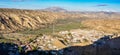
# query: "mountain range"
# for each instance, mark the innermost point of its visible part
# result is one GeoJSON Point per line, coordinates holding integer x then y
{"type": "Point", "coordinates": [55, 9]}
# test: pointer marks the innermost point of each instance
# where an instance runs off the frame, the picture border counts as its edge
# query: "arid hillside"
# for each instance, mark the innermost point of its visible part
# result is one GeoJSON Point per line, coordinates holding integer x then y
{"type": "Point", "coordinates": [18, 19]}
{"type": "Point", "coordinates": [106, 25]}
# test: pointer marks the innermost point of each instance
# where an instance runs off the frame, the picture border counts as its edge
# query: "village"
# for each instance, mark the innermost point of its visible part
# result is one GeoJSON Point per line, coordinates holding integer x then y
{"type": "Point", "coordinates": [55, 44]}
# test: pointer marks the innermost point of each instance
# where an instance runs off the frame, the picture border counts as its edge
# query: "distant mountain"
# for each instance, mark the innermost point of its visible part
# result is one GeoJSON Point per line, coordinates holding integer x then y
{"type": "Point", "coordinates": [55, 9]}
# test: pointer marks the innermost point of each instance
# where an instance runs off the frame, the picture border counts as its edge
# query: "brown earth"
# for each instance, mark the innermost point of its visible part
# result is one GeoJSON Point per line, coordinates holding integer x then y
{"type": "Point", "coordinates": [106, 25]}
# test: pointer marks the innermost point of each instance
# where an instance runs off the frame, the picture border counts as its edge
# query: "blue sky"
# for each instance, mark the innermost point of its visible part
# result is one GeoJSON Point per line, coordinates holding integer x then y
{"type": "Point", "coordinates": [73, 5]}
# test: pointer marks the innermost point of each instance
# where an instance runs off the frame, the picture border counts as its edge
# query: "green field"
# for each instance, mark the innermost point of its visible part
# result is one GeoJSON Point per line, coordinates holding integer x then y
{"type": "Point", "coordinates": [59, 25]}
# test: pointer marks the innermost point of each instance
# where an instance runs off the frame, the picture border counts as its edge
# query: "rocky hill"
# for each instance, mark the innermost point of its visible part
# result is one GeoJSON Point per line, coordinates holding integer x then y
{"type": "Point", "coordinates": [19, 19]}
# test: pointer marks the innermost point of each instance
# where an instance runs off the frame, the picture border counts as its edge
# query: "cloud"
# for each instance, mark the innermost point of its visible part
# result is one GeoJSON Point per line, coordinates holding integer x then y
{"type": "Point", "coordinates": [101, 5]}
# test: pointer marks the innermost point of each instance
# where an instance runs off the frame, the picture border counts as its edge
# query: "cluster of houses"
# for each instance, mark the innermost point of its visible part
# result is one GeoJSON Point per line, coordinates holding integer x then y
{"type": "Point", "coordinates": [81, 36]}
{"type": "Point", "coordinates": [54, 45]}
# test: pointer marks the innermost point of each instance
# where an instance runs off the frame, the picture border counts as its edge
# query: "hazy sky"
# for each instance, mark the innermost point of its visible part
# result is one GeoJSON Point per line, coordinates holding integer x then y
{"type": "Point", "coordinates": [74, 5]}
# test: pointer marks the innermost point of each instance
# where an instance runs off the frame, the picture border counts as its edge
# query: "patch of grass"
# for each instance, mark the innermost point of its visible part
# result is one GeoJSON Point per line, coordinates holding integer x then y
{"type": "Point", "coordinates": [57, 28]}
